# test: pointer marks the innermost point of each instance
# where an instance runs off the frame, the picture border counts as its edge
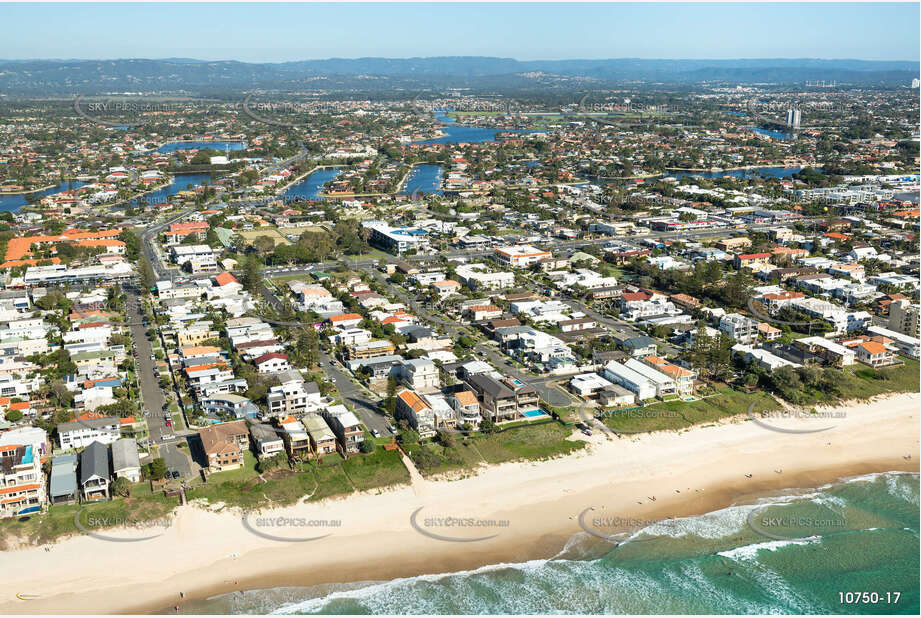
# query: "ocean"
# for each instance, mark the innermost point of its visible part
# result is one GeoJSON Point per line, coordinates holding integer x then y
{"type": "Point", "coordinates": [799, 552]}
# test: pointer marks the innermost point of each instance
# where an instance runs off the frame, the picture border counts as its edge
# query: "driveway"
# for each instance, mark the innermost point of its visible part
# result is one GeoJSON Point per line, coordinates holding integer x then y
{"type": "Point", "coordinates": [176, 459]}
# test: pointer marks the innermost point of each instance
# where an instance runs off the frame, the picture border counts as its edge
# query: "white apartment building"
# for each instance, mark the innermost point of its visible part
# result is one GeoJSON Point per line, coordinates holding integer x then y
{"type": "Point", "coordinates": [905, 317]}
{"type": "Point", "coordinates": [477, 277]}
{"type": "Point", "coordinates": [421, 375]}
{"type": "Point", "coordinates": [664, 384]}
{"type": "Point", "coordinates": [635, 382]}
{"type": "Point", "coordinates": [739, 327]}
{"type": "Point", "coordinates": [520, 256]}
{"type": "Point", "coordinates": [80, 434]}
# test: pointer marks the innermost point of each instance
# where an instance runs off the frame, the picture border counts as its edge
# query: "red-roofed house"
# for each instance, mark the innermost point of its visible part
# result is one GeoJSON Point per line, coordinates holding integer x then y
{"type": "Point", "coordinates": [751, 259]}
{"type": "Point", "coordinates": [345, 320]}
{"type": "Point", "coordinates": [273, 362]}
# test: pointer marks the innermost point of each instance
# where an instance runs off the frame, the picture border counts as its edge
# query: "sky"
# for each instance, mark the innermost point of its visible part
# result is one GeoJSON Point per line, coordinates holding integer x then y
{"type": "Point", "coordinates": [535, 31]}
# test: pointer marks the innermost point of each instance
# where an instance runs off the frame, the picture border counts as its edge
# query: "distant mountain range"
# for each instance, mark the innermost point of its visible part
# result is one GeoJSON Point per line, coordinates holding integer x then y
{"type": "Point", "coordinates": [59, 77]}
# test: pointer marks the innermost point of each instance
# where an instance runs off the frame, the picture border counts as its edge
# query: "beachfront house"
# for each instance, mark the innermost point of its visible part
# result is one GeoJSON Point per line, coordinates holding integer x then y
{"type": "Point", "coordinates": [94, 472]}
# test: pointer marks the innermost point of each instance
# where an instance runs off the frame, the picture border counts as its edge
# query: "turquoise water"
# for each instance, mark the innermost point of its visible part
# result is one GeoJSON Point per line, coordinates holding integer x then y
{"type": "Point", "coordinates": [866, 540]}
{"type": "Point", "coordinates": [534, 413]}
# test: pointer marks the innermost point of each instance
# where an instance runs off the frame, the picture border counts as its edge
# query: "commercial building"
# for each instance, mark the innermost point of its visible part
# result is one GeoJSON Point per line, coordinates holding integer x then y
{"type": "Point", "coordinates": [520, 256]}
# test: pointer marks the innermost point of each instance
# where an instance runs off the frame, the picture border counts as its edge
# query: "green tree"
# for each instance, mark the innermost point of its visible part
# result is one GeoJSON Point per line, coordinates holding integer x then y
{"type": "Point", "coordinates": [122, 487]}
{"type": "Point", "coordinates": [251, 277]}
{"type": "Point", "coordinates": [146, 276]}
{"type": "Point", "coordinates": [157, 469]}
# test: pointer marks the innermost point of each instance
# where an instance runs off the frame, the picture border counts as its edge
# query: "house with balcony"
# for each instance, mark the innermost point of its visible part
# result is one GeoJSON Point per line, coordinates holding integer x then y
{"type": "Point", "coordinates": [94, 472]}
{"type": "Point", "coordinates": [742, 329]}
{"type": "Point", "coordinates": [228, 405]}
{"type": "Point", "coordinates": [420, 374]}
{"type": "Point", "coordinates": [466, 406]}
{"type": "Point", "coordinates": [272, 362]}
{"type": "Point", "coordinates": [293, 396]}
{"type": "Point", "coordinates": [296, 438]}
{"type": "Point", "coordinates": [62, 485]}
{"type": "Point", "coordinates": [664, 384]}
{"type": "Point", "coordinates": [682, 377]}
{"type": "Point", "coordinates": [266, 440]}
{"type": "Point", "coordinates": [349, 431]}
{"type": "Point", "coordinates": [322, 439]}
{"type": "Point", "coordinates": [497, 401]}
{"type": "Point", "coordinates": [410, 407]}
{"type": "Point", "coordinates": [635, 382]}
{"type": "Point", "coordinates": [224, 445]}
{"type": "Point", "coordinates": [22, 484]}
{"type": "Point", "coordinates": [874, 354]}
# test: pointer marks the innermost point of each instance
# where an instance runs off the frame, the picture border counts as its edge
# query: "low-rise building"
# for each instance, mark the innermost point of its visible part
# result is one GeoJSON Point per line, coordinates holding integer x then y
{"type": "Point", "coordinates": [82, 433]}
{"type": "Point", "coordinates": [125, 460]}
{"type": "Point", "coordinates": [224, 445]}
{"type": "Point", "coordinates": [348, 429]}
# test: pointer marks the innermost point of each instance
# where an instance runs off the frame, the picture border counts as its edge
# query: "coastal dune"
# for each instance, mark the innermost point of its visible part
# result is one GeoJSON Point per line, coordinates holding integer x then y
{"type": "Point", "coordinates": [531, 509]}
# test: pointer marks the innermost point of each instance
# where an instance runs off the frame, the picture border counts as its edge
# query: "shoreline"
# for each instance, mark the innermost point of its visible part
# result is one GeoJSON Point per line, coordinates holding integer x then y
{"type": "Point", "coordinates": [694, 471]}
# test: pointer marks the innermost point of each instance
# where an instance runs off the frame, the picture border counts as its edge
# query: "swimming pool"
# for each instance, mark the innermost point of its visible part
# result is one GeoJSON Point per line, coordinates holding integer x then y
{"type": "Point", "coordinates": [534, 413]}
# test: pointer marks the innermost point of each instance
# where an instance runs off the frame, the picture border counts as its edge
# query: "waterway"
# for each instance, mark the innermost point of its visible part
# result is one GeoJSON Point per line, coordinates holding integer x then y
{"type": "Point", "coordinates": [219, 146]}
{"type": "Point", "coordinates": [15, 202]}
{"type": "Point", "coordinates": [772, 133]}
{"type": "Point", "coordinates": [310, 187]}
{"type": "Point", "coordinates": [462, 134]}
{"type": "Point", "coordinates": [424, 178]}
{"type": "Point", "coordinates": [767, 172]}
{"type": "Point", "coordinates": [181, 182]}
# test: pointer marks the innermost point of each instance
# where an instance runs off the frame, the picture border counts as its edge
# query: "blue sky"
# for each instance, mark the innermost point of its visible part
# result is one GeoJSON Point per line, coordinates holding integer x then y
{"type": "Point", "coordinates": [279, 32]}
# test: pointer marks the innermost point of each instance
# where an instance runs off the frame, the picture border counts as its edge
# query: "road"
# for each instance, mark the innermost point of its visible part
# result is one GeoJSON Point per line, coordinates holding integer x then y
{"type": "Point", "coordinates": [353, 395]}
{"type": "Point", "coordinates": [151, 392]}
{"type": "Point", "coordinates": [361, 402]}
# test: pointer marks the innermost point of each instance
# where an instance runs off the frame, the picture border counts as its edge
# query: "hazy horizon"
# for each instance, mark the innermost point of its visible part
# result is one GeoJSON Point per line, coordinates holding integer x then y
{"type": "Point", "coordinates": [271, 33]}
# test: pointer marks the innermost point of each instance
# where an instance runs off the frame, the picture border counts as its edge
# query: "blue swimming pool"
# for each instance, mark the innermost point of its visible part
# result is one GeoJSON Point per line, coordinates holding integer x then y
{"type": "Point", "coordinates": [534, 413]}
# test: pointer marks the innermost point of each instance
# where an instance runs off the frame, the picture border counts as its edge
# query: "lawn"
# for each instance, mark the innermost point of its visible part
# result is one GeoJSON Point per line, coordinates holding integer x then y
{"type": "Point", "coordinates": [142, 506]}
{"type": "Point", "coordinates": [535, 442]}
{"type": "Point", "coordinates": [675, 415]}
{"type": "Point", "coordinates": [331, 476]}
{"type": "Point", "coordinates": [866, 382]}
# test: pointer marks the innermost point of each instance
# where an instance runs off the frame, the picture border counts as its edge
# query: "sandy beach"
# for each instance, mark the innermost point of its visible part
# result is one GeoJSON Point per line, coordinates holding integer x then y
{"type": "Point", "coordinates": [203, 552]}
